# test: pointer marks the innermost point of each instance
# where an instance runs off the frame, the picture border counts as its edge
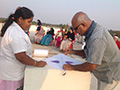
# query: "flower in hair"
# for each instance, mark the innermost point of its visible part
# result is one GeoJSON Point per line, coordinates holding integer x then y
{"type": "Point", "coordinates": [13, 18]}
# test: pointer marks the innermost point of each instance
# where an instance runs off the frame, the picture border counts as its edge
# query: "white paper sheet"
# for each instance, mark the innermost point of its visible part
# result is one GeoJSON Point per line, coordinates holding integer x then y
{"type": "Point", "coordinates": [57, 61]}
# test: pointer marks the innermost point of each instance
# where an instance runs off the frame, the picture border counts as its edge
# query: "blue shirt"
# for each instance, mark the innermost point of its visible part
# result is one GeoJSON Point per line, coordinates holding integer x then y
{"type": "Point", "coordinates": [90, 30]}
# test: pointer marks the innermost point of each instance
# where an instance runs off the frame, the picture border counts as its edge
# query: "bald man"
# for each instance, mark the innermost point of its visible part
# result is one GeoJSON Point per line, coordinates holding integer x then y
{"type": "Point", "coordinates": [101, 53]}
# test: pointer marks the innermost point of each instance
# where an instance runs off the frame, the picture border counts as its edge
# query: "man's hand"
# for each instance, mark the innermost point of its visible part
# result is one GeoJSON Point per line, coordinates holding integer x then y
{"type": "Point", "coordinates": [67, 67]}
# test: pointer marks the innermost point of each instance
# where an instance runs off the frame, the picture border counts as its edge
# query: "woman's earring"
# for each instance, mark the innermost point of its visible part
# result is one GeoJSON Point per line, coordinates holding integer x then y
{"type": "Point", "coordinates": [20, 23]}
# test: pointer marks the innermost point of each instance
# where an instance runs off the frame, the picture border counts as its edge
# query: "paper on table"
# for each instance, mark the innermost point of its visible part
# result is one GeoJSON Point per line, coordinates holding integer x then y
{"type": "Point", "coordinates": [57, 61]}
{"type": "Point", "coordinates": [40, 52]}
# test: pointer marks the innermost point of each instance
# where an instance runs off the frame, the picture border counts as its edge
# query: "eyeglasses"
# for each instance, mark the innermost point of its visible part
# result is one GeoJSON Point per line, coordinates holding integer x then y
{"type": "Point", "coordinates": [77, 27]}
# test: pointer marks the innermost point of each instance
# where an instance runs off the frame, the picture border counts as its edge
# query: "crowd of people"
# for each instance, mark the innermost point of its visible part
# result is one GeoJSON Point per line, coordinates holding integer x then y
{"type": "Point", "coordinates": [101, 52]}
{"type": "Point", "coordinates": [64, 38]}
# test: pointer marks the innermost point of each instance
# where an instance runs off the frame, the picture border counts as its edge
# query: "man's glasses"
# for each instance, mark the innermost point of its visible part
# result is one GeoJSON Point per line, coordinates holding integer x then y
{"type": "Point", "coordinates": [77, 27]}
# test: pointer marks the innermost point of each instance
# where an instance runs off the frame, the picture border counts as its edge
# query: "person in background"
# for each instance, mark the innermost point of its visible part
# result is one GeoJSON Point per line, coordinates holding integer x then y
{"type": "Point", "coordinates": [67, 29]}
{"type": "Point", "coordinates": [46, 40]}
{"type": "Point", "coordinates": [76, 36]}
{"type": "Point", "coordinates": [80, 39]}
{"type": "Point", "coordinates": [116, 40]}
{"type": "Point", "coordinates": [67, 40]}
{"type": "Point", "coordinates": [58, 38]}
{"type": "Point", "coordinates": [16, 50]}
{"type": "Point", "coordinates": [38, 25]}
{"type": "Point", "coordinates": [101, 53]}
{"type": "Point", "coordinates": [39, 35]}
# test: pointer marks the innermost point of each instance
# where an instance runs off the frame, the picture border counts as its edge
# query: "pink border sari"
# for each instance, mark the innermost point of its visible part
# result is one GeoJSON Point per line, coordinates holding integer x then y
{"type": "Point", "coordinates": [11, 85]}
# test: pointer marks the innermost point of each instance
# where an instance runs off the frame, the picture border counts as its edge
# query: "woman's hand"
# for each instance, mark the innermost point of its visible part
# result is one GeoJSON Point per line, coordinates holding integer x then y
{"type": "Point", "coordinates": [40, 64]}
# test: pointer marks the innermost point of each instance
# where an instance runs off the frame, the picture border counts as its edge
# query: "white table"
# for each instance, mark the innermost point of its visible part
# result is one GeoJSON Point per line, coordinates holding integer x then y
{"type": "Point", "coordinates": [49, 78]}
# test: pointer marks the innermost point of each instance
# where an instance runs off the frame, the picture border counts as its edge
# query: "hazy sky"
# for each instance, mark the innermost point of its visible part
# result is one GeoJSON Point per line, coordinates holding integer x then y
{"type": "Point", "coordinates": [104, 12]}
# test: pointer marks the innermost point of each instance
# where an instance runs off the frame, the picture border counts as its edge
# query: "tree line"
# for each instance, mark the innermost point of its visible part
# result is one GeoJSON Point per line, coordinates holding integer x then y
{"type": "Point", "coordinates": [2, 20]}
{"type": "Point", "coordinates": [112, 32]}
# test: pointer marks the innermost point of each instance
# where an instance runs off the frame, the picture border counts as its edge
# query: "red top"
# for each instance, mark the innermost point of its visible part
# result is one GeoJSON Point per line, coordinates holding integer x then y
{"type": "Point", "coordinates": [118, 44]}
